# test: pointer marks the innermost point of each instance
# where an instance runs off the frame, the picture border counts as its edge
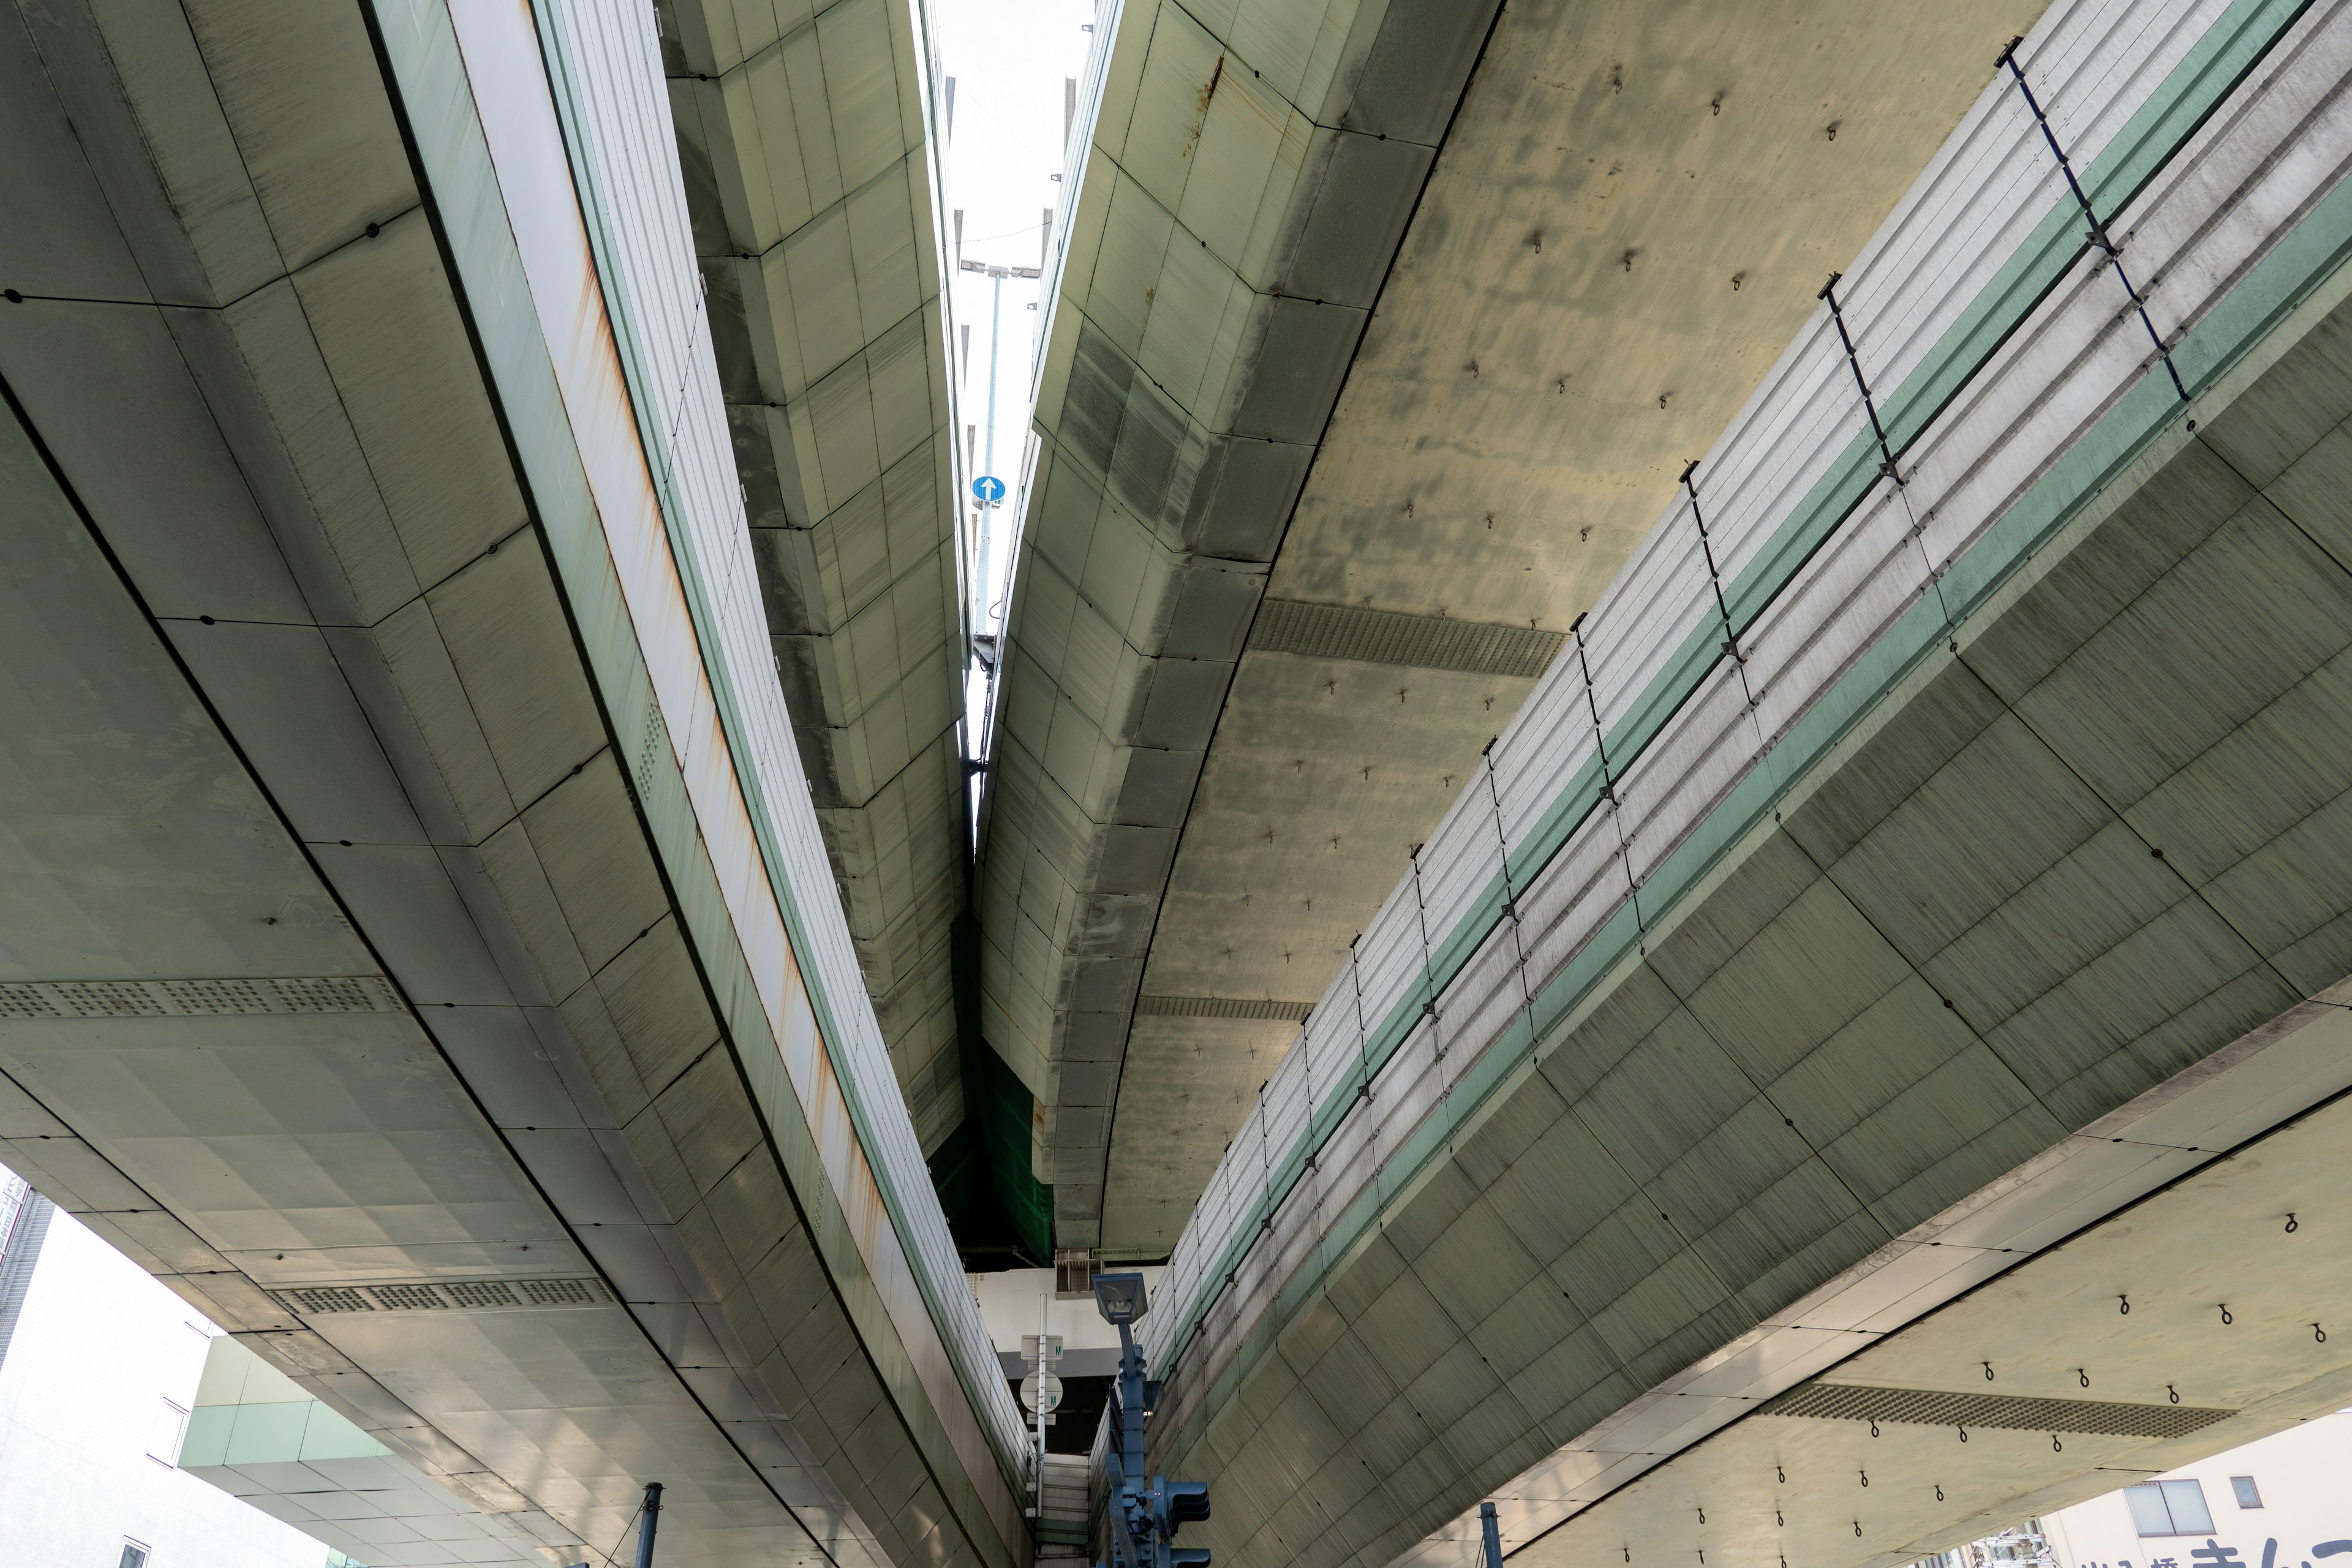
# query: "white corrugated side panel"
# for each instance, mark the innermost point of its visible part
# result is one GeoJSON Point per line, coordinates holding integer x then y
{"type": "Point", "coordinates": [1542, 749]}
{"type": "Point", "coordinates": [1460, 858]}
{"type": "Point", "coordinates": [2091, 73]}
{"type": "Point", "coordinates": [1644, 616]}
{"type": "Point", "coordinates": [1681, 776]}
{"type": "Point", "coordinates": [1750, 483]}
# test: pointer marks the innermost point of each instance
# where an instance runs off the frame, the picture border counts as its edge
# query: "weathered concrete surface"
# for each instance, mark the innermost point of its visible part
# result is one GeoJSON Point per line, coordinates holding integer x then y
{"type": "Point", "coordinates": [1774, 1486]}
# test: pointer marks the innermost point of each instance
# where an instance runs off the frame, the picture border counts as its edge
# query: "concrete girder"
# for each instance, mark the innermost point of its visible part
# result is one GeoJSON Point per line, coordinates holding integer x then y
{"type": "Point", "coordinates": [1239, 201]}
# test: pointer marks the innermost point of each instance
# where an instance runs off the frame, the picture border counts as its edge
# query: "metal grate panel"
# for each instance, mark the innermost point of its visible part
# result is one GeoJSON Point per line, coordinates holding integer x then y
{"type": "Point", "coordinates": [481, 1293]}
{"type": "Point", "coordinates": [216, 996]}
{"type": "Point", "coordinates": [1220, 1007]}
{"type": "Point", "coordinates": [562, 1293]}
{"type": "Point", "coordinates": [1932, 1407]}
{"type": "Point", "coordinates": [196, 998]}
{"type": "Point", "coordinates": [1389, 637]}
{"type": "Point", "coordinates": [316, 1301]}
{"type": "Point", "coordinates": [440, 1296]}
{"type": "Point", "coordinates": [409, 1298]}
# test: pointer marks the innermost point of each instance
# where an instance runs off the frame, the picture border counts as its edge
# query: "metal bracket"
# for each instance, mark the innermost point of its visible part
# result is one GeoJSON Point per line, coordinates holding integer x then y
{"type": "Point", "coordinates": [1853, 362]}
{"type": "Point", "coordinates": [1600, 750]}
{"type": "Point", "coordinates": [1706, 548]}
{"type": "Point", "coordinates": [2100, 238]}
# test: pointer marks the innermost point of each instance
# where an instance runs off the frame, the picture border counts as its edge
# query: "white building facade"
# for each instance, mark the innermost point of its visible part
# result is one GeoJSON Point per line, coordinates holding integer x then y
{"type": "Point", "coordinates": [98, 1375]}
{"type": "Point", "coordinates": [2279, 1503]}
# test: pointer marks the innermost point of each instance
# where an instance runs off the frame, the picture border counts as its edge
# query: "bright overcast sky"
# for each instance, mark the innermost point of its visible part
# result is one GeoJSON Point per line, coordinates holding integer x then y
{"type": "Point", "coordinates": [1009, 59]}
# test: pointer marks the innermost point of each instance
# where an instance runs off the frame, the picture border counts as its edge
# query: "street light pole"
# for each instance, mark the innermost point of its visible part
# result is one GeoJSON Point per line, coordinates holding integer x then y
{"type": "Point", "coordinates": [996, 276]}
{"type": "Point", "coordinates": [1044, 1368]}
{"type": "Point", "coordinates": [995, 323]}
{"type": "Point", "coordinates": [1145, 1513]}
{"type": "Point", "coordinates": [987, 441]}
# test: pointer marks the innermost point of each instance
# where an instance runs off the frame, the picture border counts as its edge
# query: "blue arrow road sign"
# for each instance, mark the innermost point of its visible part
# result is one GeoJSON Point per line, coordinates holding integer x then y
{"type": "Point", "coordinates": [989, 487]}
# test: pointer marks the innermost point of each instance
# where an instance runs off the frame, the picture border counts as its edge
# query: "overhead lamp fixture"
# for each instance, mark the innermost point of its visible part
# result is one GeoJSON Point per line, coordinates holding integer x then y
{"type": "Point", "coordinates": [1121, 1298]}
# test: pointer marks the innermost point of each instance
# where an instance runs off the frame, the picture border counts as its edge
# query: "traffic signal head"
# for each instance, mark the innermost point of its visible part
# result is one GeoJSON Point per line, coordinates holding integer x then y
{"type": "Point", "coordinates": [1180, 1502]}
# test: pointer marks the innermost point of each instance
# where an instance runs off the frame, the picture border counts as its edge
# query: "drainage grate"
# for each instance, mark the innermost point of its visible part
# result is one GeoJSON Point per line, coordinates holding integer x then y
{"type": "Point", "coordinates": [216, 996]}
{"type": "Point", "coordinates": [1220, 1007]}
{"type": "Point", "coordinates": [440, 1296]}
{"type": "Point", "coordinates": [316, 1301]}
{"type": "Point", "coordinates": [562, 1293]}
{"type": "Point", "coordinates": [1389, 637]}
{"type": "Point", "coordinates": [409, 1298]}
{"type": "Point", "coordinates": [1929, 1407]}
{"type": "Point", "coordinates": [481, 1293]}
{"type": "Point", "coordinates": [196, 998]}
{"type": "Point", "coordinates": [364, 994]}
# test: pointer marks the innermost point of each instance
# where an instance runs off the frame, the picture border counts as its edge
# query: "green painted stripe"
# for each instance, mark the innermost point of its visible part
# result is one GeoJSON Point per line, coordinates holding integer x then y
{"type": "Point", "coordinates": [2221, 59]}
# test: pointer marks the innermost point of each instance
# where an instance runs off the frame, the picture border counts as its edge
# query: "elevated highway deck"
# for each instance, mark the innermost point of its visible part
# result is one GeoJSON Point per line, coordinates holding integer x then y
{"type": "Point", "coordinates": [422, 951]}
{"type": "Point", "coordinates": [1892, 949]}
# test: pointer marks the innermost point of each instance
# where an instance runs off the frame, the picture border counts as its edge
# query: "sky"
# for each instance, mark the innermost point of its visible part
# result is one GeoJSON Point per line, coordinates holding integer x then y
{"type": "Point", "coordinates": [1009, 59]}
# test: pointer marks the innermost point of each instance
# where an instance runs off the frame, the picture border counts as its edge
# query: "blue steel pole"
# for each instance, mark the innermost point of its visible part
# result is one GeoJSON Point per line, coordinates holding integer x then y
{"type": "Point", "coordinates": [1147, 1514]}
{"type": "Point", "coordinates": [1129, 1503]}
{"type": "Point", "coordinates": [1490, 1534]}
{"type": "Point", "coordinates": [1131, 1404]}
{"type": "Point", "coordinates": [646, 1524]}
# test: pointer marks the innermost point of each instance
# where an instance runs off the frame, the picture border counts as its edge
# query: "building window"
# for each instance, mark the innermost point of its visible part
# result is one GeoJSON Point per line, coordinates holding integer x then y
{"type": "Point", "coordinates": [2168, 1508]}
{"type": "Point", "coordinates": [2248, 1497]}
{"type": "Point", "coordinates": [133, 1555]}
{"type": "Point", "coordinates": [164, 1449]}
